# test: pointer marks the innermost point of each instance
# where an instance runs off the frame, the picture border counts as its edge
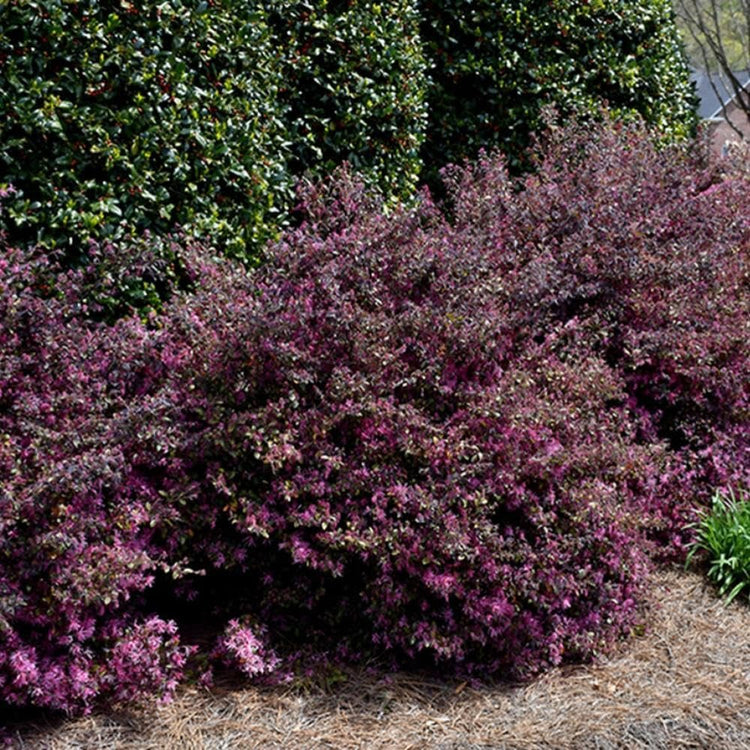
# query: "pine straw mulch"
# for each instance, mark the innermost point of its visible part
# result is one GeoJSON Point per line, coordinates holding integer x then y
{"type": "Point", "coordinates": [684, 684]}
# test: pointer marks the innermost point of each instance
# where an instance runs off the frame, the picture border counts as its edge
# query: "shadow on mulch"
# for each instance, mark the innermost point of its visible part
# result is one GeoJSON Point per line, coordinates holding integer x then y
{"type": "Point", "coordinates": [685, 683]}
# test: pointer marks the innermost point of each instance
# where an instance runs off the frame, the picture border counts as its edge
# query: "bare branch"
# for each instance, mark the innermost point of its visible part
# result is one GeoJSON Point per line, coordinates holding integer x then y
{"type": "Point", "coordinates": [718, 30]}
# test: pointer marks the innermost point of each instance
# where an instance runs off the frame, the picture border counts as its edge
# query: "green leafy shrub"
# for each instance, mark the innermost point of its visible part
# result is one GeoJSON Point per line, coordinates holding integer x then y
{"type": "Point", "coordinates": [724, 535]}
{"type": "Point", "coordinates": [117, 118]}
{"type": "Point", "coordinates": [496, 63]}
{"type": "Point", "coordinates": [355, 88]}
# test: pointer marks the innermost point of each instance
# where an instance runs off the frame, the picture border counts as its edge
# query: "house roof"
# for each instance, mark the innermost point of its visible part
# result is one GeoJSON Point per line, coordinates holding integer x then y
{"type": "Point", "coordinates": [710, 104]}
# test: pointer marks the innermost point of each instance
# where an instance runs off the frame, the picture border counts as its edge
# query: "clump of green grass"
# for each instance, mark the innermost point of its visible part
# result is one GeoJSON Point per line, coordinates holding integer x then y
{"type": "Point", "coordinates": [724, 534]}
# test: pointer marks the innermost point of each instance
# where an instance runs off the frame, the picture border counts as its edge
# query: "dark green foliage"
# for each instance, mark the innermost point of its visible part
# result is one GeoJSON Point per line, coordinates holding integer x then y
{"type": "Point", "coordinates": [117, 118]}
{"type": "Point", "coordinates": [497, 62]}
{"type": "Point", "coordinates": [355, 87]}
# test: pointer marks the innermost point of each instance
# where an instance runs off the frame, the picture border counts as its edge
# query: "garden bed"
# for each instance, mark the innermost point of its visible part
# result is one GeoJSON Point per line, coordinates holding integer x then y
{"type": "Point", "coordinates": [684, 683]}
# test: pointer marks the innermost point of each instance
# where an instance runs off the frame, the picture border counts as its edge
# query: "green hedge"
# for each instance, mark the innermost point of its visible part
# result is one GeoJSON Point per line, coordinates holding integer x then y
{"type": "Point", "coordinates": [355, 88]}
{"type": "Point", "coordinates": [497, 62]}
{"type": "Point", "coordinates": [121, 117]}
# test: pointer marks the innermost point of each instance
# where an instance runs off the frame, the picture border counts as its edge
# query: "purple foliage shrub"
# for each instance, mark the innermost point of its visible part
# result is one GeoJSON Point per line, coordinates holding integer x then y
{"type": "Point", "coordinates": [477, 431]}
{"type": "Point", "coordinates": [465, 435]}
{"type": "Point", "coordinates": [77, 513]}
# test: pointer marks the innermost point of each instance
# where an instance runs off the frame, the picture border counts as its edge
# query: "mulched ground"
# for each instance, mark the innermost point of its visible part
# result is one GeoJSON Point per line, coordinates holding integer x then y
{"type": "Point", "coordinates": [684, 684]}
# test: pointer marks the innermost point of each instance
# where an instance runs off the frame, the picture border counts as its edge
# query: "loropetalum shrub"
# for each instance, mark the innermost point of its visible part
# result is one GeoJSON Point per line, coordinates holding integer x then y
{"type": "Point", "coordinates": [458, 441]}
{"type": "Point", "coordinates": [474, 431]}
{"type": "Point", "coordinates": [354, 88]}
{"type": "Point", "coordinates": [667, 287]}
{"type": "Point", "coordinates": [117, 118]}
{"type": "Point", "coordinates": [242, 646]}
{"type": "Point", "coordinates": [497, 63]}
{"type": "Point", "coordinates": [77, 514]}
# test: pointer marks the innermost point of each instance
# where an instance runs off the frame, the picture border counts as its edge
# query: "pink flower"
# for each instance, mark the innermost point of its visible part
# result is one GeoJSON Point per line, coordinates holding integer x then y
{"type": "Point", "coordinates": [24, 664]}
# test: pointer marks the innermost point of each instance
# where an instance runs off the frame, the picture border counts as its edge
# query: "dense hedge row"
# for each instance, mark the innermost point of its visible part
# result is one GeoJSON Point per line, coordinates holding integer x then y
{"type": "Point", "coordinates": [497, 63]}
{"type": "Point", "coordinates": [117, 118]}
{"type": "Point", "coordinates": [473, 433]}
{"type": "Point", "coordinates": [354, 88]}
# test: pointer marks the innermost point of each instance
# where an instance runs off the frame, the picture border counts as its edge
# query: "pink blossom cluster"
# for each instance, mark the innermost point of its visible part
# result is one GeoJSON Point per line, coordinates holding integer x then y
{"type": "Point", "coordinates": [244, 647]}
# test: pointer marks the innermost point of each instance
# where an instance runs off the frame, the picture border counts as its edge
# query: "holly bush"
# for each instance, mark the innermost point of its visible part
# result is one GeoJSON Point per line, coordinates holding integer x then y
{"type": "Point", "coordinates": [354, 88]}
{"type": "Point", "coordinates": [121, 118]}
{"type": "Point", "coordinates": [495, 65]}
{"type": "Point", "coordinates": [117, 118]}
{"type": "Point", "coordinates": [476, 431]}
